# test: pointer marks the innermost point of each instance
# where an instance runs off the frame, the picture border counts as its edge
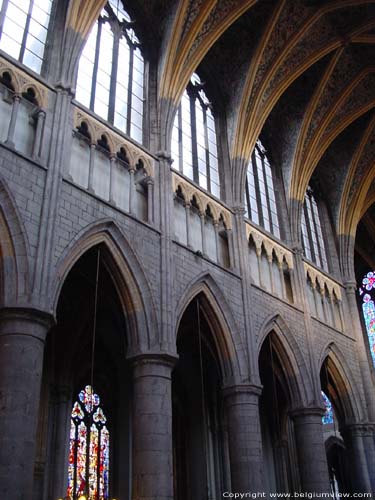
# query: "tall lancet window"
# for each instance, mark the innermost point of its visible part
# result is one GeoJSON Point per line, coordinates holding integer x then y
{"type": "Point", "coordinates": [23, 30]}
{"type": "Point", "coordinates": [194, 146]}
{"type": "Point", "coordinates": [312, 234]}
{"type": "Point", "coordinates": [111, 71]}
{"type": "Point", "coordinates": [367, 293]}
{"type": "Point", "coordinates": [88, 468]}
{"type": "Point", "coordinates": [328, 415]}
{"type": "Point", "coordinates": [260, 199]}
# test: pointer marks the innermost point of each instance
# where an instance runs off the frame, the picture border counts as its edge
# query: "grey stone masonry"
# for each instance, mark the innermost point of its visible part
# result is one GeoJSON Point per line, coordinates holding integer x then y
{"type": "Point", "coordinates": [22, 336]}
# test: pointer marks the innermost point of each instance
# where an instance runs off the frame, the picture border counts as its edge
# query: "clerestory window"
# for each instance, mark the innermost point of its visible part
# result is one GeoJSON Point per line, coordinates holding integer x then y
{"type": "Point", "coordinates": [194, 144]}
{"type": "Point", "coordinates": [88, 468]}
{"type": "Point", "coordinates": [312, 235]}
{"type": "Point", "coordinates": [111, 71]}
{"type": "Point", "coordinates": [260, 201]}
{"type": "Point", "coordinates": [23, 30]}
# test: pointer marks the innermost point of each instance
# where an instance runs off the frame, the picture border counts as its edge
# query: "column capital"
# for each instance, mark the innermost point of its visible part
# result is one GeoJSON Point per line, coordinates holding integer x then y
{"type": "Point", "coordinates": [164, 156]}
{"type": "Point", "coordinates": [310, 411]}
{"type": "Point", "coordinates": [26, 321]}
{"type": "Point", "coordinates": [359, 429]}
{"type": "Point", "coordinates": [240, 389]}
{"type": "Point", "coordinates": [239, 210]}
{"type": "Point", "coordinates": [153, 358]}
{"type": "Point", "coordinates": [350, 286]}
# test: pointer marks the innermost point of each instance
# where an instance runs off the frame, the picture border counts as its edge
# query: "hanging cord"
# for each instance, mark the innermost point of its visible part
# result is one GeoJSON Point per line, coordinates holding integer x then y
{"type": "Point", "coordinates": [204, 414]}
{"type": "Point", "coordinates": [94, 324]}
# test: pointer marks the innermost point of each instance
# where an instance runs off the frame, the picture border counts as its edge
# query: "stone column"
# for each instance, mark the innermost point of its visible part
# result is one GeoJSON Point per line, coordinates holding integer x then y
{"type": "Point", "coordinates": [150, 200]}
{"type": "Point", "coordinates": [40, 119]}
{"type": "Point", "coordinates": [312, 460]}
{"type": "Point", "coordinates": [61, 409]}
{"type": "Point", "coordinates": [245, 441]}
{"type": "Point", "coordinates": [91, 168]}
{"type": "Point", "coordinates": [112, 167]}
{"type": "Point", "coordinates": [13, 120]}
{"type": "Point", "coordinates": [202, 217]}
{"type": "Point", "coordinates": [216, 229]}
{"type": "Point", "coordinates": [22, 336]}
{"type": "Point", "coordinates": [152, 428]}
{"type": "Point", "coordinates": [131, 190]}
{"type": "Point", "coordinates": [355, 438]}
{"type": "Point", "coordinates": [187, 219]}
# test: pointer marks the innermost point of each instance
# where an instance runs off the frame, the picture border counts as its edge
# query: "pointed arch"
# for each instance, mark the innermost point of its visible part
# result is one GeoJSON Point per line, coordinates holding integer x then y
{"type": "Point", "coordinates": [340, 372]}
{"type": "Point", "coordinates": [291, 358]}
{"type": "Point", "coordinates": [14, 250]}
{"type": "Point", "coordinates": [222, 323]}
{"type": "Point", "coordinates": [128, 277]}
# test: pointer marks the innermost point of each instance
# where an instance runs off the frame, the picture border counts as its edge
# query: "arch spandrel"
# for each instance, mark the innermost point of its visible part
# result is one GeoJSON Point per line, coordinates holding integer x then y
{"type": "Point", "coordinates": [128, 277]}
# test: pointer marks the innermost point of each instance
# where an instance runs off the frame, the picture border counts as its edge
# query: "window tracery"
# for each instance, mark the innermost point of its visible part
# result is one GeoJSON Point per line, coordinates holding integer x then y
{"type": "Point", "coordinates": [260, 202]}
{"type": "Point", "coordinates": [194, 143]}
{"type": "Point", "coordinates": [312, 234]}
{"type": "Point", "coordinates": [111, 71]}
{"type": "Point", "coordinates": [88, 469]}
{"type": "Point", "coordinates": [23, 30]}
{"type": "Point", "coordinates": [367, 293]}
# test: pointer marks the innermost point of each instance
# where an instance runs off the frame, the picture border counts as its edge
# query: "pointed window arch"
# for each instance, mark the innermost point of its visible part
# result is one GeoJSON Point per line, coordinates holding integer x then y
{"type": "Point", "coordinates": [88, 469]}
{"type": "Point", "coordinates": [260, 202]}
{"type": "Point", "coordinates": [367, 293]}
{"type": "Point", "coordinates": [194, 143]}
{"type": "Point", "coordinates": [111, 71]}
{"type": "Point", "coordinates": [23, 30]}
{"type": "Point", "coordinates": [312, 234]}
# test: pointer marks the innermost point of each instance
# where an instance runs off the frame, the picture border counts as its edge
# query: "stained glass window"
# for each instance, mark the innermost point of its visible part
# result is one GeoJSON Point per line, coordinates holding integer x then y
{"type": "Point", "coordinates": [260, 199]}
{"type": "Point", "coordinates": [111, 71]}
{"type": "Point", "coordinates": [23, 30]}
{"type": "Point", "coordinates": [88, 468]}
{"type": "Point", "coordinates": [367, 293]}
{"type": "Point", "coordinates": [328, 416]}
{"type": "Point", "coordinates": [194, 144]}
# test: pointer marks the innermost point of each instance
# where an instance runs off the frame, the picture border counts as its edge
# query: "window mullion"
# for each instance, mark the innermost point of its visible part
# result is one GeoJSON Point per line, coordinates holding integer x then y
{"type": "Point", "coordinates": [310, 229]}
{"type": "Point", "coordinates": [208, 167]}
{"type": "Point", "coordinates": [257, 188]}
{"type": "Point", "coordinates": [130, 90]}
{"type": "Point", "coordinates": [266, 189]}
{"type": "Point", "coordinates": [194, 151]}
{"type": "Point", "coordinates": [247, 195]}
{"type": "Point", "coordinates": [96, 64]}
{"type": "Point", "coordinates": [315, 222]}
{"type": "Point", "coordinates": [26, 31]}
{"type": "Point", "coordinates": [114, 70]}
{"type": "Point", "coordinates": [2, 15]}
{"type": "Point", "coordinates": [180, 139]}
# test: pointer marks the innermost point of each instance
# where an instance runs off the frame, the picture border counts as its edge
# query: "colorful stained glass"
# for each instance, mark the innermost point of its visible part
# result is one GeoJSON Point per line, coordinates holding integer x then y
{"type": "Point", "coordinates": [328, 416]}
{"type": "Point", "coordinates": [88, 468]}
{"type": "Point", "coordinates": [367, 293]}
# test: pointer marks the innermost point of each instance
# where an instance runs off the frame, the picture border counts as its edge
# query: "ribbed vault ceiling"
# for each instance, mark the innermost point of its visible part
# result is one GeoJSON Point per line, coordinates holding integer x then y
{"type": "Point", "coordinates": [301, 73]}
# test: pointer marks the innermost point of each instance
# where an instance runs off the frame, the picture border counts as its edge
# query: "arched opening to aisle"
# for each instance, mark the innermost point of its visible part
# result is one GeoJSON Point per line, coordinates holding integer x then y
{"type": "Point", "coordinates": [199, 445]}
{"type": "Point", "coordinates": [278, 441]}
{"type": "Point", "coordinates": [85, 424]}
